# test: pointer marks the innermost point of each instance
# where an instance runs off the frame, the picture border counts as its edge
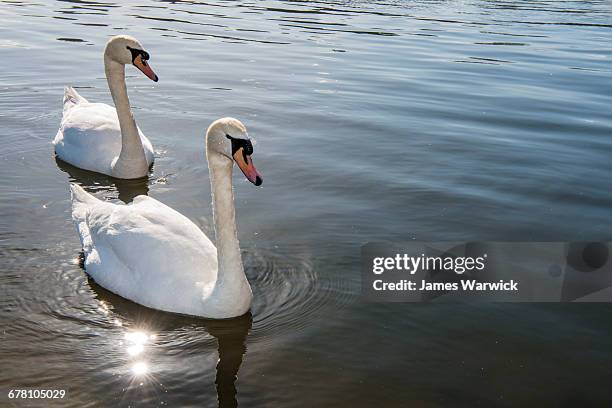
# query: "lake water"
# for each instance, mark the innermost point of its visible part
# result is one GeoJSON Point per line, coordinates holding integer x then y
{"type": "Point", "coordinates": [374, 120]}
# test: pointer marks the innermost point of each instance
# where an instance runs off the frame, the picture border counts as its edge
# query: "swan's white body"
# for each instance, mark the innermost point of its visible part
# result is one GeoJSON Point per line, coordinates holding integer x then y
{"type": "Point", "coordinates": [151, 254]}
{"type": "Point", "coordinates": [89, 136]}
{"type": "Point", "coordinates": [101, 138]}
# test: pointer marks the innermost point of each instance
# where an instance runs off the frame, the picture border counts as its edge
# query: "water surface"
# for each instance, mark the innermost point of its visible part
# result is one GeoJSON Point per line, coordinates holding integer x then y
{"type": "Point", "coordinates": [374, 120]}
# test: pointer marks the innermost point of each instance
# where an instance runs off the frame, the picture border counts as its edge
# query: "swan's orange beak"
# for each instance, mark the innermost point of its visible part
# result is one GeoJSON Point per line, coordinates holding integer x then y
{"type": "Point", "coordinates": [144, 66]}
{"type": "Point", "coordinates": [245, 163]}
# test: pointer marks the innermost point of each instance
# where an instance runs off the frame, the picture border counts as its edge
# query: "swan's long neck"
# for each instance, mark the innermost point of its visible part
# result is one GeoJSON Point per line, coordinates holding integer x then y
{"type": "Point", "coordinates": [230, 269]}
{"type": "Point", "coordinates": [132, 162]}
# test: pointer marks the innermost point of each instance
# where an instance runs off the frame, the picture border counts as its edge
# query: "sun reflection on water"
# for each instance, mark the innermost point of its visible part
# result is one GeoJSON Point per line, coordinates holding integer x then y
{"type": "Point", "coordinates": [135, 342]}
{"type": "Point", "coordinates": [135, 350]}
{"type": "Point", "coordinates": [137, 337]}
{"type": "Point", "coordinates": [140, 368]}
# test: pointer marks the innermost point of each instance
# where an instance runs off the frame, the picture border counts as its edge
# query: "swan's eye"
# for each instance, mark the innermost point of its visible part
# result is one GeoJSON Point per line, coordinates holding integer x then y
{"type": "Point", "coordinates": [144, 56]}
{"type": "Point", "coordinates": [248, 147]}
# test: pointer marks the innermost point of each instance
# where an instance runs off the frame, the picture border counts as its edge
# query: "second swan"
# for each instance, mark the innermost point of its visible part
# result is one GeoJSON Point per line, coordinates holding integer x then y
{"type": "Point", "coordinates": [98, 137]}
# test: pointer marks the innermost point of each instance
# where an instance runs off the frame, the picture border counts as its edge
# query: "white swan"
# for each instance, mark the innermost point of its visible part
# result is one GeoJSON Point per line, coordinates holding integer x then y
{"type": "Point", "coordinates": [149, 253]}
{"type": "Point", "coordinates": [98, 137]}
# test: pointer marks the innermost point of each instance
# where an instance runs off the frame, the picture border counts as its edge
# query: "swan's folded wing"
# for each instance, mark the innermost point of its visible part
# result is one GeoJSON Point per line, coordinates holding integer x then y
{"type": "Point", "coordinates": [149, 253]}
{"type": "Point", "coordinates": [97, 120]}
{"type": "Point", "coordinates": [89, 137]}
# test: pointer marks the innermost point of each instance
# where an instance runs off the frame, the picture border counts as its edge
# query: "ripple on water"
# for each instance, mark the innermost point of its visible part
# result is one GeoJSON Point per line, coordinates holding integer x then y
{"type": "Point", "coordinates": [288, 294]}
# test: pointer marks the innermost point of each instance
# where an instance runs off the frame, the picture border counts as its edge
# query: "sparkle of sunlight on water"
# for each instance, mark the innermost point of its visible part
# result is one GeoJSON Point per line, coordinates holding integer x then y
{"type": "Point", "coordinates": [374, 120]}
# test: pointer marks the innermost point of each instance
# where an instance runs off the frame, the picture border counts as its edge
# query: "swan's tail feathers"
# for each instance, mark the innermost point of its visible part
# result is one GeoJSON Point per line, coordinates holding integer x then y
{"type": "Point", "coordinates": [72, 98]}
{"type": "Point", "coordinates": [81, 200]}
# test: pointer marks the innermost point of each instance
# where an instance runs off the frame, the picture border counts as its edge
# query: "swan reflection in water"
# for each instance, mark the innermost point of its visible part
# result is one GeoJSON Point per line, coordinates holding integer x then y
{"type": "Point", "coordinates": [144, 326]}
{"type": "Point", "coordinates": [94, 182]}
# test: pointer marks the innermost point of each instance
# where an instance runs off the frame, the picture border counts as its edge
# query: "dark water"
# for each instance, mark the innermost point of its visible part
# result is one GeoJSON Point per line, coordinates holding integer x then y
{"type": "Point", "coordinates": [388, 120]}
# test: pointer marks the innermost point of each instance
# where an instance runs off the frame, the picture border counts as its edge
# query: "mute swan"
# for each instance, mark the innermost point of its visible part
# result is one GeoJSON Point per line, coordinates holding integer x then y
{"type": "Point", "coordinates": [98, 137]}
{"type": "Point", "coordinates": [151, 254]}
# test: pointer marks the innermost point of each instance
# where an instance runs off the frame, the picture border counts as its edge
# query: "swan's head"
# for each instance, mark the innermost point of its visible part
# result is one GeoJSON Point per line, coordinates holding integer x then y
{"type": "Point", "coordinates": [229, 139]}
{"type": "Point", "coordinates": [124, 50]}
